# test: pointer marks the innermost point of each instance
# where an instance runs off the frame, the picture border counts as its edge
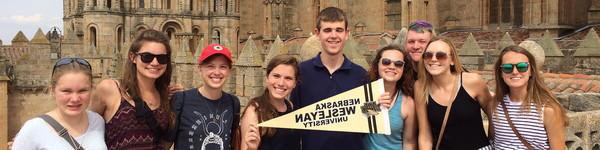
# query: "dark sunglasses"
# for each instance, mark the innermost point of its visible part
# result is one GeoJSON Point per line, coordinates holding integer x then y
{"type": "Point", "coordinates": [397, 63]}
{"type": "Point", "coordinates": [521, 67]}
{"type": "Point", "coordinates": [438, 55]}
{"type": "Point", "coordinates": [66, 61]}
{"type": "Point", "coordinates": [149, 57]}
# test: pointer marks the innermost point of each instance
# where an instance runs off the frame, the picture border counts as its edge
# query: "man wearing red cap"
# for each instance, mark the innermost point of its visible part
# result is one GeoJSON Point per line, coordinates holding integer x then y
{"type": "Point", "coordinates": [206, 116]}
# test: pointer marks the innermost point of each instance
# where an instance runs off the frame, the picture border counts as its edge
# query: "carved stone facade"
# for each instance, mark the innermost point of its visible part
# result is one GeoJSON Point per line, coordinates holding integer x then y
{"type": "Point", "coordinates": [256, 30]}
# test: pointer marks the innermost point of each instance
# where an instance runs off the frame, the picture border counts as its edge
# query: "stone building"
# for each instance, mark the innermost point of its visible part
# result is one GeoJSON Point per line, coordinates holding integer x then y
{"type": "Point", "coordinates": [256, 30]}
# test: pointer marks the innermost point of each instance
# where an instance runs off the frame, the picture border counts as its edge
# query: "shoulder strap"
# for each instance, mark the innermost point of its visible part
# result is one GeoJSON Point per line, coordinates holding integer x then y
{"type": "Point", "coordinates": [62, 132]}
{"type": "Point", "coordinates": [236, 115]}
{"type": "Point", "coordinates": [448, 109]}
{"type": "Point", "coordinates": [174, 134]}
{"type": "Point", "coordinates": [514, 129]}
{"type": "Point", "coordinates": [144, 113]}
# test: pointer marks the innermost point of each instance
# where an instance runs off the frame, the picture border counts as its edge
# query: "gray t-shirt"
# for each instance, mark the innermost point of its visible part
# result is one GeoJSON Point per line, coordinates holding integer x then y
{"type": "Point", "coordinates": [36, 134]}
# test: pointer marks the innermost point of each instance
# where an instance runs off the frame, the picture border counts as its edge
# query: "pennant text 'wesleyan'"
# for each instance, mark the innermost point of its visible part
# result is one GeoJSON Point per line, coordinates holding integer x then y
{"type": "Point", "coordinates": [355, 110]}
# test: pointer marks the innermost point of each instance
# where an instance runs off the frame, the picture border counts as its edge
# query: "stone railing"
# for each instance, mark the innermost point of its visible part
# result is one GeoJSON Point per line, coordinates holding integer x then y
{"type": "Point", "coordinates": [584, 120]}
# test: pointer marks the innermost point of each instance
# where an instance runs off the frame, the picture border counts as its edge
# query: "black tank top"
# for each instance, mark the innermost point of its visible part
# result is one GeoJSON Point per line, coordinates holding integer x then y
{"type": "Point", "coordinates": [464, 129]}
{"type": "Point", "coordinates": [287, 139]}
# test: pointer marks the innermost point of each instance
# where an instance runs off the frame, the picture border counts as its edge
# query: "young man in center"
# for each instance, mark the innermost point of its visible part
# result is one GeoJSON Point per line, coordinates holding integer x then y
{"type": "Point", "coordinates": [328, 74]}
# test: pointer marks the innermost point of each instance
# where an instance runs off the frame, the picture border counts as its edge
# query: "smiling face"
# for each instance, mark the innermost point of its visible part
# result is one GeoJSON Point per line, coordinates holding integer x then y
{"type": "Point", "coordinates": [280, 81]}
{"type": "Point", "coordinates": [515, 79]}
{"type": "Point", "coordinates": [390, 72]}
{"type": "Point", "coordinates": [215, 71]}
{"type": "Point", "coordinates": [332, 36]}
{"type": "Point", "coordinates": [440, 60]}
{"type": "Point", "coordinates": [153, 69]}
{"type": "Point", "coordinates": [416, 43]}
{"type": "Point", "coordinates": [72, 93]}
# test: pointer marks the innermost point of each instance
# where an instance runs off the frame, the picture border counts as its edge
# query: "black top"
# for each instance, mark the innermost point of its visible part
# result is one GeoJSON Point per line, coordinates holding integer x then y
{"type": "Point", "coordinates": [287, 139]}
{"type": "Point", "coordinates": [464, 129]}
{"type": "Point", "coordinates": [204, 123]}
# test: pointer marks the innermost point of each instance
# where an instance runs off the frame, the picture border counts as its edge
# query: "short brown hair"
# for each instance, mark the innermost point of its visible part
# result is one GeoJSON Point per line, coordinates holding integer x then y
{"type": "Point", "coordinates": [332, 14]}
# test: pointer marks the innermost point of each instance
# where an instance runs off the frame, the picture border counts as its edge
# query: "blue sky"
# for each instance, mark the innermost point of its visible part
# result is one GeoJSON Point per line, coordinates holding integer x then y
{"type": "Point", "coordinates": [28, 16]}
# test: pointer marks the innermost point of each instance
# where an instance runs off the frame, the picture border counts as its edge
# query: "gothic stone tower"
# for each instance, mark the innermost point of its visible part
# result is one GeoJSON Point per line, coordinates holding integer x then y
{"type": "Point", "coordinates": [96, 29]}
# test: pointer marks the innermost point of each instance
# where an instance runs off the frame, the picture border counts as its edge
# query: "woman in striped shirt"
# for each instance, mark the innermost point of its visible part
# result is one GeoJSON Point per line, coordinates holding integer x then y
{"type": "Point", "coordinates": [535, 119]}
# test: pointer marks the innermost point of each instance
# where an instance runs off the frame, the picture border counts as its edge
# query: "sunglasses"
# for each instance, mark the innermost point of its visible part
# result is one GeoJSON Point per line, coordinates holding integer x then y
{"type": "Point", "coordinates": [66, 61]}
{"type": "Point", "coordinates": [521, 67]}
{"type": "Point", "coordinates": [438, 55]}
{"type": "Point", "coordinates": [397, 63]}
{"type": "Point", "coordinates": [149, 57]}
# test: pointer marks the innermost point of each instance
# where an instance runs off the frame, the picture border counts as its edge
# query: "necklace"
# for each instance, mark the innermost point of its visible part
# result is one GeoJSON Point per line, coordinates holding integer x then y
{"type": "Point", "coordinates": [213, 113]}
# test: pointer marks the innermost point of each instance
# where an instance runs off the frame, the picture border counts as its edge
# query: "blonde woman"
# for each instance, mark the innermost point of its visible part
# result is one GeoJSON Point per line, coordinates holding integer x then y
{"type": "Point", "coordinates": [443, 85]}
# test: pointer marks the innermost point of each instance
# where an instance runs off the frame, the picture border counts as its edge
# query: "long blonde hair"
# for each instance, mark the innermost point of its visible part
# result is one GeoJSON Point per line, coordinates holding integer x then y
{"type": "Point", "coordinates": [537, 93]}
{"type": "Point", "coordinates": [425, 78]}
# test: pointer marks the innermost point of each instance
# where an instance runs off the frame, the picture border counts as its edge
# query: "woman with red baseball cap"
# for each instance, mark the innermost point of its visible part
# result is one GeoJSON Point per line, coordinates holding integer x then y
{"type": "Point", "coordinates": [207, 115]}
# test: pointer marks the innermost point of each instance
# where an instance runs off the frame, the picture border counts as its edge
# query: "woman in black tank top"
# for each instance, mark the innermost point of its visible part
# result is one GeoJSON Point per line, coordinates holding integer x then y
{"type": "Point", "coordinates": [282, 73]}
{"type": "Point", "coordinates": [443, 84]}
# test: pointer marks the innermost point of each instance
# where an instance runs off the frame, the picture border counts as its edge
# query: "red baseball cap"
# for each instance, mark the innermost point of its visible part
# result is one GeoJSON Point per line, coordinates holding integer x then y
{"type": "Point", "coordinates": [213, 49]}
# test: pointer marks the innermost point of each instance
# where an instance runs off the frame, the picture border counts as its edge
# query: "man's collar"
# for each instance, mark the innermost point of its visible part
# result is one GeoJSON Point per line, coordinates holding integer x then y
{"type": "Point", "coordinates": [319, 63]}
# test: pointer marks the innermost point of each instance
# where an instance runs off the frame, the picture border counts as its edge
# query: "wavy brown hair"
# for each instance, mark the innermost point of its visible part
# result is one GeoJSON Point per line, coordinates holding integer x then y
{"type": "Point", "coordinates": [130, 80]}
{"type": "Point", "coordinates": [264, 108]}
{"type": "Point", "coordinates": [537, 93]}
{"type": "Point", "coordinates": [407, 80]}
{"type": "Point", "coordinates": [425, 78]}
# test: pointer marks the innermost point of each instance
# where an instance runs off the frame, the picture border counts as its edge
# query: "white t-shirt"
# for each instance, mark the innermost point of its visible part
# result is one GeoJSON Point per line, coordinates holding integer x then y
{"type": "Point", "coordinates": [36, 134]}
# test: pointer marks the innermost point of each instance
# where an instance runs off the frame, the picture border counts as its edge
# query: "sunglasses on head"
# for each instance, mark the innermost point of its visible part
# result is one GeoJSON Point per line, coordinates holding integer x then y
{"type": "Point", "coordinates": [387, 62]}
{"type": "Point", "coordinates": [149, 57]}
{"type": "Point", "coordinates": [521, 67]}
{"type": "Point", "coordinates": [66, 61]}
{"type": "Point", "coordinates": [438, 55]}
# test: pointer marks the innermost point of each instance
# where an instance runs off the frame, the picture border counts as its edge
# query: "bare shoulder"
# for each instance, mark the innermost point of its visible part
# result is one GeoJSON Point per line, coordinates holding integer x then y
{"type": "Point", "coordinates": [107, 89]}
{"type": "Point", "coordinates": [408, 101]}
{"type": "Point", "coordinates": [250, 113]}
{"type": "Point", "coordinates": [473, 80]}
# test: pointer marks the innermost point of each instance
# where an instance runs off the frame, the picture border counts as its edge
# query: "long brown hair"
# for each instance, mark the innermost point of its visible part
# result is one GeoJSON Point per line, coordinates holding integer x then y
{"type": "Point", "coordinates": [265, 109]}
{"type": "Point", "coordinates": [425, 78]}
{"type": "Point", "coordinates": [407, 80]}
{"type": "Point", "coordinates": [130, 81]}
{"type": "Point", "coordinates": [537, 93]}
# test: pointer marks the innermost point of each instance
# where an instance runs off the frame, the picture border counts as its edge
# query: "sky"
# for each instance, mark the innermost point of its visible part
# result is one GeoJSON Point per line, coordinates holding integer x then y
{"type": "Point", "coordinates": [28, 16]}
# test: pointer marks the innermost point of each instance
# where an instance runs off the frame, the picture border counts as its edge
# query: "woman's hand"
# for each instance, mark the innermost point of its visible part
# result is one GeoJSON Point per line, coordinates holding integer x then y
{"type": "Point", "coordinates": [252, 137]}
{"type": "Point", "coordinates": [385, 100]}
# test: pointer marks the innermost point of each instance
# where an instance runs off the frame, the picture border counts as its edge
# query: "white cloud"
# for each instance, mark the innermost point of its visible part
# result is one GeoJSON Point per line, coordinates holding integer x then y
{"type": "Point", "coordinates": [27, 19]}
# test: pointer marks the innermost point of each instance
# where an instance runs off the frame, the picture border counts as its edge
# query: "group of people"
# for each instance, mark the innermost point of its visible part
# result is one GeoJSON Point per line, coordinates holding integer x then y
{"type": "Point", "coordinates": [433, 102]}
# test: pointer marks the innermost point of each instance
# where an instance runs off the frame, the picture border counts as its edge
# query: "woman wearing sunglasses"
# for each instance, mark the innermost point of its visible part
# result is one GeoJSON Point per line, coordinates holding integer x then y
{"type": "Point", "coordinates": [282, 75]}
{"type": "Point", "coordinates": [69, 125]}
{"type": "Point", "coordinates": [390, 64]}
{"type": "Point", "coordinates": [526, 115]}
{"type": "Point", "coordinates": [449, 101]}
{"type": "Point", "coordinates": [137, 108]}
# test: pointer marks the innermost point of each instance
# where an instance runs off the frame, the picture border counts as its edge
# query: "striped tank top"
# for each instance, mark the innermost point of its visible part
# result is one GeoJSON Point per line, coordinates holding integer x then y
{"type": "Point", "coordinates": [529, 124]}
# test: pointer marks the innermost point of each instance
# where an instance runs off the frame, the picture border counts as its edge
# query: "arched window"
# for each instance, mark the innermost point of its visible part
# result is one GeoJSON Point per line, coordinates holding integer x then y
{"type": "Point", "coordinates": [169, 4]}
{"type": "Point", "coordinates": [109, 4]}
{"type": "Point", "coordinates": [192, 5]}
{"type": "Point", "coordinates": [93, 37]}
{"type": "Point", "coordinates": [120, 38]}
{"type": "Point", "coordinates": [195, 38]}
{"type": "Point", "coordinates": [393, 15]}
{"type": "Point", "coordinates": [170, 32]}
{"type": "Point", "coordinates": [493, 11]}
{"type": "Point", "coordinates": [216, 36]}
{"type": "Point", "coordinates": [141, 3]}
{"type": "Point", "coordinates": [94, 2]}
